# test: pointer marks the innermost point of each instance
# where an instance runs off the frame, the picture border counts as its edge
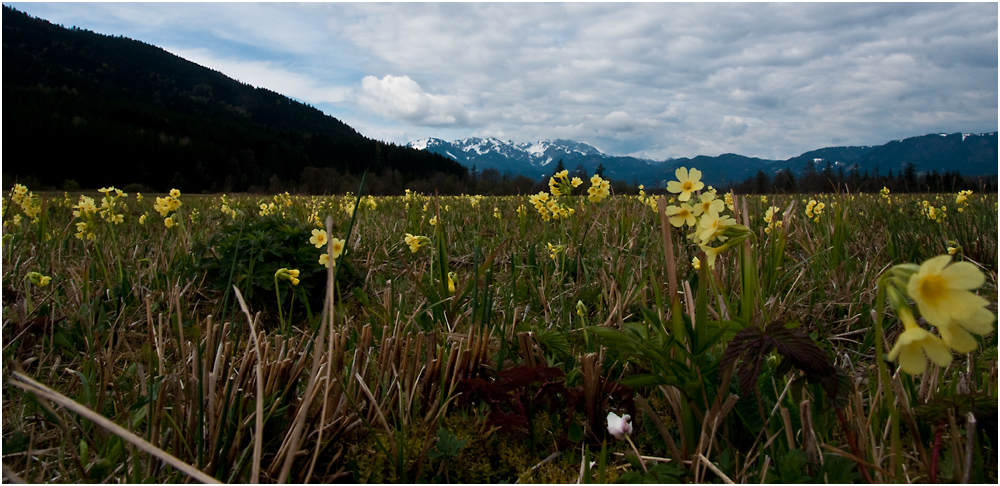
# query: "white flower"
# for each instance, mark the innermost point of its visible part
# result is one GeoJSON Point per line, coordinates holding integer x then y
{"type": "Point", "coordinates": [619, 426]}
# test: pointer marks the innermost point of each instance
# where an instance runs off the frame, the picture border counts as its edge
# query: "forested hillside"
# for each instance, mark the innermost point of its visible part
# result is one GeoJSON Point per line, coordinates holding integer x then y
{"type": "Point", "coordinates": [89, 110]}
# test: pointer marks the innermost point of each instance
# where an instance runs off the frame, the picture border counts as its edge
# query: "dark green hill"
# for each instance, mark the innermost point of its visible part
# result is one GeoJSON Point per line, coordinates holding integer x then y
{"type": "Point", "coordinates": [105, 110]}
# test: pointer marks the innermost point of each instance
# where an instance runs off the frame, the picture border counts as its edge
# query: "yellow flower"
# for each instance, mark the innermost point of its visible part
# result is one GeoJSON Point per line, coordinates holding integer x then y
{"type": "Point", "coordinates": [338, 247]}
{"type": "Point", "coordinates": [415, 242]}
{"type": "Point", "coordinates": [914, 343]}
{"type": "Point", "coordinates": [554, 250]}
{"type": "Point", "coordinates": [169, 222]}
{"type": "Point", "coordinates": [174, 193]}
{"type": "Point", "coordinates": [681, 215]}
{"type": "Point", "coordinates": [138, 196]}
{"type": "Point", "coordinates": [957, 333]}
{"type": "Point", "coordinates": [451, 282]}
{"type": "Point", "coordinates": [576, 182]}
{"type": "Point", "coordinates": [942, 291]}
{"type": "Point", "coordinates": [324, 260]}
{"type": "Point", "coordinates": [708, 204]}
{"type": "Point", "coordinates": [696, 263]}
{"type": "Point", "coordinates": [318, 238]}
{"type": "Point", "coordinates": [710, 225]}
{"type": "Point", "coordinates": [39, 279]}
{"type": "Point", "coordinates": [686, 183]}
{"type": "Point", "coordinates": [142, 219]}
{"type": "Point", "coordinates": [581, 309]}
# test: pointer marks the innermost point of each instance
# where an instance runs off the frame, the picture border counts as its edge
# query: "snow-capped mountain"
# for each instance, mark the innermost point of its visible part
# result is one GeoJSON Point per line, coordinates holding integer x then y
{"type": "Point", "coordinates": [538, 154]}
{"type": "Point", "coordinates": [538, 159]}
{"type": "Point", "coordinates": [966, 153]}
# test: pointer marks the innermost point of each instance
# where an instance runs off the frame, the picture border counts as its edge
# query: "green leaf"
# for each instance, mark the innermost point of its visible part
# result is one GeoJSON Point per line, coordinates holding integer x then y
{"type": "Point", "coordinates": [646, 380]}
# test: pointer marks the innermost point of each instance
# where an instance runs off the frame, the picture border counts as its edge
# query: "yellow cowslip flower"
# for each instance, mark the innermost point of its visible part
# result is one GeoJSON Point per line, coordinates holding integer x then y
{"type": "Point", "coordinates": [286, 274]}
{"type": "Point", "coordinates": [138, 196]}
{"type": "Point", "coordinates": [554, 250]}
{"type": "Point", "coordinates": [496, 212]}
{"type": "Point", "coordinates": [318, 238]}
{"type": "Point", "coordinates": [711, 224]}
{"type": "Point", "coordinates": [581, 309]}
{"type": "Point", "coordinates": [142, 219]}
{"type": "Point", "coordinates": [958, 333]}
{"type": "Point", "coordinates": [914, 343]}
{"type": "Point", "coordinates": [809, 208]}
{"type": "Point", "coordinates": [84, 207]}
{"type": "Point", "coordinates": [324, 260]}
{"type": "Point", "coordinates": [686, 183]}
{"type": "Point", "coordinates": [451, 281]}
{"type": "Point", "coordinates": [174, 193]}
{"type": "Point", "coordinates": [337, 245]}
{"type": "Point", "coordinates": [169, 222]}
{"type": "Point", "coordinates": [711, 253]}
{"type": "Point", "coordinates": [942, 290]}
{"type": "Point", "coordinates": [681, 215]}
{"type": "Point", "coordinates": [433, 221]}
{"type": "Point", "coordinates": [576, 182]}
{"type": "Point", "coordinates": [38, 279]}
{"type": "Point", "coordinates": [415, 242]}
{"type": "Point", "coordinates": [81, 230]}
{"type": "Point", "coordinates": [696, 263]}
{"type": "Point", "coordinates": [118, 218]}
{"type": "Point", "coordinates": [15, 220]}
{"type": "Point", "coordinates": [708, 204]}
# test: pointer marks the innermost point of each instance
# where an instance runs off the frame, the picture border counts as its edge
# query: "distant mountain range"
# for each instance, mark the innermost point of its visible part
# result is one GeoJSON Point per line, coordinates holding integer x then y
{"type": "Point", "coordinates": [965, 153]}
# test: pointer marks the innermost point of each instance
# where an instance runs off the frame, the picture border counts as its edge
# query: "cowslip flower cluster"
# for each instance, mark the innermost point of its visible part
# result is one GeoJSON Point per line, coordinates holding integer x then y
{"type": "Point", "coordinates": [963, 199]}
{"type": "Point", "coordinates": [108, 202]}
{"type": "Point", "coordinates": [267, 209]}
{"type": "Point", "coordinates": [167, 205]}
{"type": "Point", "coordinates": [30, 204]}
{"type": "Point", "coordinates": [555, 250]}
{"type": "Point", "coordinates": [85, 209]}
{"type": "Point", "coordinates": [38, 279]}
{"type": "Point", "coordinates": [703, 215]}
{"type": "Point", "coordinates": [942, 292]}
{"type": "Point", "coordinates": [561, 185]}
{"type": "Point", "coordinates": [770, 219]}
{"type": "Point", "coordinates": [648, 200]}
{"type": "Point", "coordinates": [286, 274]}
{"type": "Point", "coordinates": [814, 210]}
{"type": "Point", "coordinates": [415, 242]}
{"type": "Point", "coordinates": [932, 213]}
{"type": "Point", "coordinates": [599, 189]}
{"type": "Point", "coordinates": [319, 239]}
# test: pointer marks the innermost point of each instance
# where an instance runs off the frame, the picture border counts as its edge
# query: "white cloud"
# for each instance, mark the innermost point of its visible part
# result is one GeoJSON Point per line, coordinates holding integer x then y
{"type": "Point", "coordinates": [671, 79]}
{"type": "Point", "coordinates": [270, 75]}
{"type": "Point", "coordinates": [402, 98]}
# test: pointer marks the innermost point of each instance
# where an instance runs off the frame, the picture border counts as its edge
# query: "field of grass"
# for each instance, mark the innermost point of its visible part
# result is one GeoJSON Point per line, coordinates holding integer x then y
{"type": "Point", "coordinates": [156, 338]}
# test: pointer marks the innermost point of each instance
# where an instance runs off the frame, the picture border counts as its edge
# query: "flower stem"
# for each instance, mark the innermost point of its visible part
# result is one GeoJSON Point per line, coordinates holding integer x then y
{"type": "Point", "coordinates": [277, 295]}
{"type": "Point", "coordinates": [887, 395]}
{"type": "Point", "coordinates": [637, 455]}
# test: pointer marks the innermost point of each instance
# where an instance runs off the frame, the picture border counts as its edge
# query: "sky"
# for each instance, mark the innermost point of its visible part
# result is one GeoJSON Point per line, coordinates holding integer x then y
{"type": "Point", "coordinates": [650, 80]}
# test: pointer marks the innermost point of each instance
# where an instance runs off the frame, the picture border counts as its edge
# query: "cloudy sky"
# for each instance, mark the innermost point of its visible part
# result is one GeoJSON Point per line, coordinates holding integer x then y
{"type": "Point", "coordinates": [653, 80]}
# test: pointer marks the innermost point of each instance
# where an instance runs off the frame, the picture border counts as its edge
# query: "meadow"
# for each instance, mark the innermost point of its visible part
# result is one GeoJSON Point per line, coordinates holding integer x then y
{"type": "Point", "coordinates": [574, 336]}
